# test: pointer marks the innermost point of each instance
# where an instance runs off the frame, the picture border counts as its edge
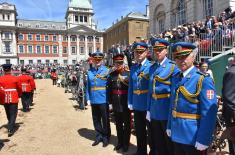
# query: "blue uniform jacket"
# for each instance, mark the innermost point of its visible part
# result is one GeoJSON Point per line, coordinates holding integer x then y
{"type": "Point", "coordinates": [189, 131]}
{"type": "Point", "coordinates": [159, 107]}
{"type": "Point", "coordinates": [138, 86]}
{"type": "Point", "coordinates": [96, 85]}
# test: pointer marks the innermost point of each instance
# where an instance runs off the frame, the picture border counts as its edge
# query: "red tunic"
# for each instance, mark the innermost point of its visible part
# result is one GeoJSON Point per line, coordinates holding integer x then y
{"type": "Point", "coordinates": [9, 89]}
{"type": "Point", "coordinates": [26, 82]}
{"type": "Point", "coordinates": [53, 76]}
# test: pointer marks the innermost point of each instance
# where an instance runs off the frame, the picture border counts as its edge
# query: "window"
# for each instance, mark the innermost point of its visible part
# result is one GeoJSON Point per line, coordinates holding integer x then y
{"type": "Point", "coordinates": [74, 50]}
{"type": "Point", "coordinates": [20, 25]}
{"type": "Point", "coordinates": [7, 35]}
{"type": "Point", "coordinates": [85, 19]}
{"type": "Point", "coordinates": [38, 49]}
{"type": "Point", "coordinates": [139, 25]}
{"type": "Point", "coordinates": [8, 17]}
{"type": "Point", "coordinates": [64, 50]}
{"type": "Point", "coordinates": [82, 50]}
{"type": "Point", "coordinates": [37, 26]}
{"type": "Point", "coordinates": [30, 61]}
{"type": "Point", "coordinates": [55, 49]}
{"type": "Point", "coordinates": [81, 19]}
{"type": "Point", "coordinates": [82, 38]}
{"type": "Point", "coordinates": [76, 18]}
{"type": "Point", "coordinates": [22, 62]}
{"type": "Point", "coordinates": [181, 12]}
{"type": "Point", "coordinates": [65, 38]}
{"type": "Point", "coordinates": [90, 49]}
{"type": "Point", "coordinates": [30, 37]}
{"type": "Point", "coordinates": [39, 61]}
{"type": "Point", "coordinates": [54, 38]}
{"type": "Point", "coordinates": [74, 62]}
{"type": "Point", "coordinates": [38, 37]}
{"type": "Point", "coordinates": [208, 7]}
{"type": "Point", "coordinates": [73, 38]}
{"type": "Point", "coordinates": [8, 61]}
{"type": "Point", "coordinates": [3, 17]}
{"type": "Point", "coordinates": [46, 38]}
{"type": "Point", "coordinates": [90, 38]}
{"type": "Point", "coordinates": [161, 25]}
{"type": "Point", "coordinates": [47, 61]}
{"type": "Point", "coordinates": [47, 49]}
{"type": "Point", "coordinates": [55, 61]}
{"type": "Point", "coordinates": [65, 62]}
{"type": "Point", "coordinates": [7, 47]}
{"type": "Point", "coordinates": [21, 37]}
{"type": "Point", "coordinates": [30, 49]}
{"type": "Point", "coordinates": [97, 40]}
{"type": "Point", "coordinates": [21, 49]}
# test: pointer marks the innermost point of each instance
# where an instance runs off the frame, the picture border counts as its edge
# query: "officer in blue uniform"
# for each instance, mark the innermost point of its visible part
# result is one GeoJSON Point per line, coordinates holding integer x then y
{"type": "Point", "coordinates": [96, 97]}
{"type": "Point", "coordinates": [137, 94]}
{"type": "Point", "coordinates": [160, 76]}
{"type": "Point", "coordinates": [193, 104]}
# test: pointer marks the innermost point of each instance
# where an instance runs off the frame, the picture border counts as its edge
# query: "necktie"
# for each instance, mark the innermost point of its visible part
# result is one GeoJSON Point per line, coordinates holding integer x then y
{"type": "Point", "coordinates": [181, 75]}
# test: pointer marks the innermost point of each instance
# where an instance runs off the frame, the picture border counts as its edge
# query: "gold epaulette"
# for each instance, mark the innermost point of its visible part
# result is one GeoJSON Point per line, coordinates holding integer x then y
{"type": "Point", "coordinates": [189, 96]}
{"type": "Point", "coordinates": [145, 76]}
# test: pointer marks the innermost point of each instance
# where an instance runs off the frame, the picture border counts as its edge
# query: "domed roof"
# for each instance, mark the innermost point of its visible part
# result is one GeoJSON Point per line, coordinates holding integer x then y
{"type": "Point", "coordinates": [80, 4]}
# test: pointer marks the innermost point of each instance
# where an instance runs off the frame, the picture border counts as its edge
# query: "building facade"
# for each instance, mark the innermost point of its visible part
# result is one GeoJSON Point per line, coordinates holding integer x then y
{"type": "Point", "coordinates": [35, 41]}
{"type": "Point", "coordinates": [167, 14]}
{"type": "Point", "coordinates": [129, 29]}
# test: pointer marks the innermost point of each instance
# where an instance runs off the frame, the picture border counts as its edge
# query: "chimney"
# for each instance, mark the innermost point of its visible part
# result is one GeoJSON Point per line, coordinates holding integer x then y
{"type": "Point", "coordinates": [147, 11]}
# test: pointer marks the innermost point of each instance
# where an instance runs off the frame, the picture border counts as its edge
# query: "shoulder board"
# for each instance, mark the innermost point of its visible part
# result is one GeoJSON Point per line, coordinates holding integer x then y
{"type": "Point", "coordinates": [172, 62]}
{"type": "Point", "coordinates": [202, 73]}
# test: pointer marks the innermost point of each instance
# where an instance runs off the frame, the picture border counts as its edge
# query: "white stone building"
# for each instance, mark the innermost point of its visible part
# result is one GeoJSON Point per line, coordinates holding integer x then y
{"type": "Point", "coordinates": [35, 41]}
{"type": "Point", "coordinates": [166, 14]}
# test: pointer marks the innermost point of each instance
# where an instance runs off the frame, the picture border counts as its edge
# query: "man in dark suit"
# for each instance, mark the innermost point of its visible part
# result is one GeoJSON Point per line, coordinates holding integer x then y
{"type": "Point", "coordinates": [229, 101]}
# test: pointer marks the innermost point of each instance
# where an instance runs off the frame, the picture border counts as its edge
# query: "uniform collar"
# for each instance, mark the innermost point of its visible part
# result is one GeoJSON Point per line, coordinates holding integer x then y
{"type": "Point", "coordinates": [163, 61]}
{"type": "Point", "coordinates": [143, 62]}
{"type": "Point", "coordinates": [185, 73]}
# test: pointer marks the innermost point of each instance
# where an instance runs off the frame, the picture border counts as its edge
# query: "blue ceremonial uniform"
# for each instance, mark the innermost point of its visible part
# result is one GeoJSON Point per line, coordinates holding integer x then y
{"type": "Point", "coordinates": [138, 86]}
{"type": "Point", "coordinates": [96, 85]}
{"type": "Point", "coordinates": [160, 88]}
{"type": "Point", "coordinates": [193, 109]}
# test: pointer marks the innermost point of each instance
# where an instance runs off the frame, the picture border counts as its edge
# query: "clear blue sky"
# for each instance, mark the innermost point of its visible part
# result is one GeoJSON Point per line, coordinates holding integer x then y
{"type": "Point", "coordinates": [106, 11]}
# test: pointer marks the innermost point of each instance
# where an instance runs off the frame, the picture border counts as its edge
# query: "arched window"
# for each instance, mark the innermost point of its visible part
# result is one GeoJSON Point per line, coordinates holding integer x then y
{"type": "Point", "coordinates": [207, 7]}
{"type": "Point", "coordinates": [181, 12]}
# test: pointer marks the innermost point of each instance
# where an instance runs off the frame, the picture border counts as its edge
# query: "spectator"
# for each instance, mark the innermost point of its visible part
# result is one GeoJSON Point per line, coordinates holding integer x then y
{"type": "Point", "coordinates": [205, 69]}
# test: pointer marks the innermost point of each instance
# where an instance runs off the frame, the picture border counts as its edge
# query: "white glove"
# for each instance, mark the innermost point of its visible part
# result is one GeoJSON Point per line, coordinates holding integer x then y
{"type": "Point", "coordinates": [200, 147]}
{"type": "Point", "coordinates": [148, 116]}
{"type": "Point", "coordinates": [168, 132]}
{"type": "Point", "coordinates": [110, 107]}
{"type": "Point", "coordinates": [130, 106]}
{"type": "Point", "coordinates": [88, 102]}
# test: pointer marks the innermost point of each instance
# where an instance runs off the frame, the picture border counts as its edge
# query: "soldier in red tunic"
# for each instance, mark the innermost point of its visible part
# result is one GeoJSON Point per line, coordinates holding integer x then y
{"type": "Point", "coordinates": [53, 76]}
{"type": "Point", "coordinates": [27, 86]}
{"type": "Point", "coordinates": [9, 96]}
{"type": "Point", "coordinates": [33, 87]}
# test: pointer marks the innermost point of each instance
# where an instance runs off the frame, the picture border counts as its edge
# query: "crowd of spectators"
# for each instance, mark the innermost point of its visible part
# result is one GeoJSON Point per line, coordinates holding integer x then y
{"type": "Point", "coordinates": [218, 29]}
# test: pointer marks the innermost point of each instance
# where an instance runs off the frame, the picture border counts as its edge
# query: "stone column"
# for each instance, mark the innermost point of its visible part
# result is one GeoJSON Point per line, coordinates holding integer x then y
{"type": "Point", "coordinates": [94, 44]}
{"type": "Point", "coordinates": [78, 49]}
{"type": "Point", "coordinates": [86, 51]}
{"type": "Point", "coordinates": [69, 49]}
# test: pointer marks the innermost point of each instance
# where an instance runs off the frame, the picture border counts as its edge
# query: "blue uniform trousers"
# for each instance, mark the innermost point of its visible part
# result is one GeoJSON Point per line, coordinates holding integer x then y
{"type": "Point", "coordinates": [100, 116]}
{"type": "Point", "coordinates": [183, 149]}
{"type": "Point", "coordinates": [143, 135]}
{"type": "Point", "coordinates": [162, 145]}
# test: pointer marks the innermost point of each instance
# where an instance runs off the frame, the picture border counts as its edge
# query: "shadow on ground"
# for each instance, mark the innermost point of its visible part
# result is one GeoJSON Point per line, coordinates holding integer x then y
{"type": "Point", "coordinates": [90, 134]}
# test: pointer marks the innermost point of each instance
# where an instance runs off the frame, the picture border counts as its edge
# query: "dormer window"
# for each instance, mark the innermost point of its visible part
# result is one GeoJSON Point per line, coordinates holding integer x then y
{"type": "Point", "coordinates": [76, 18]}
{"type": "Point", "coordinates": [85, 19]}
